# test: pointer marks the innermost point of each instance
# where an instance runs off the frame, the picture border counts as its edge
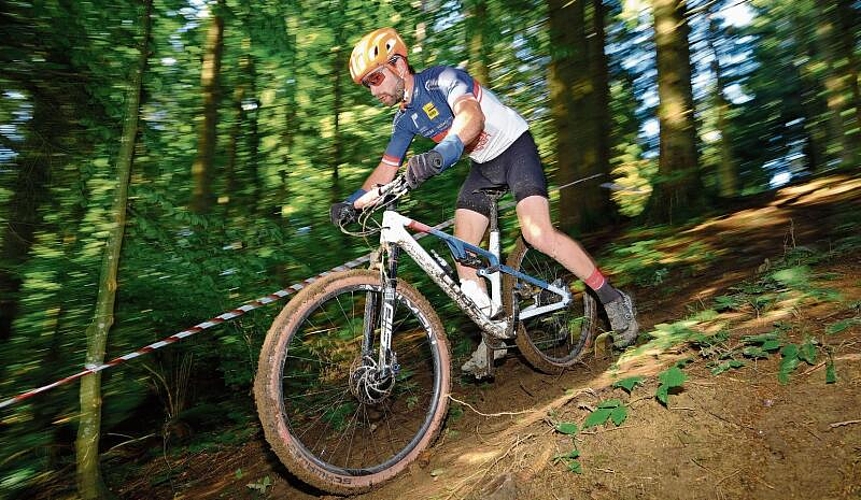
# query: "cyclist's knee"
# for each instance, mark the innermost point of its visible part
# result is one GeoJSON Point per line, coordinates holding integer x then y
{"type": "Point", "coordinates": [542, 239]}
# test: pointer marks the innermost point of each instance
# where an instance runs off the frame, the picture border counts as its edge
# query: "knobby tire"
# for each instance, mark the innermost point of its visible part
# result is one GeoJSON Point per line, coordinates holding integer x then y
{"type": "Point", "coordinates": [554, 341]}
{"type": "Point", "coordinates": [306, 384]}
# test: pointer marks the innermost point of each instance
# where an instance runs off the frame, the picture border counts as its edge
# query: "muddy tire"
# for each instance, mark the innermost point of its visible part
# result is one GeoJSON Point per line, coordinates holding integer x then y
{"type": "Point", "coordinates": [555, 341]}
{"type": "Point", "coordinates": [334, 421]}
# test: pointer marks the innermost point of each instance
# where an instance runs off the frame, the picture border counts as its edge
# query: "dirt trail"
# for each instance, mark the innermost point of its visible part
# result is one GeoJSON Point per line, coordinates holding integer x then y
{"type": "Point", "coordinates": [740, 435]}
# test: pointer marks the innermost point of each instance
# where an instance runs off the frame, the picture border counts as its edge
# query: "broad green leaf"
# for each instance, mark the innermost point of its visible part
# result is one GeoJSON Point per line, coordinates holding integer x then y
{"type": "Point", "coordinates": [662, 393]}
{"type": "Point", "coordinates": [575, 467]}
{"type": "Point", "coordinates": [575, 453]}
{"type": "Point", "coordinates": [674, 377]}
{"type": "Point", "coordinates": [597, 417]}
{"type": "Point", "coordinates": [619, 415]}
{"type": "Point", "coordinates": [610, 403]}
{"type": "Point", "coordinates": [787, 366]}
{"type": "Point", "coordinates": [807, 353]}
{"type": "Point", "coordinates": [789, 351]}
{"type": "Point", "coordinates": [840, 326]}
{"type": "Point", "coordinates": [771, 345]}
{"type": "Point", "coordinates": [720, 368]}
{"type": "Point", "coordinates": [754, 352]}
{"type": "Point", "coordinates": [795, 276]}
{"type": "Point", "coordinates": [567, 428]}
{"type": "Point", "coordinates": [629, 383]}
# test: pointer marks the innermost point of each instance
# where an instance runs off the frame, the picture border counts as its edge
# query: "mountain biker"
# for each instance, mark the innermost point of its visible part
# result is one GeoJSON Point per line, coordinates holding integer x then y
{"type": "Point", "coordinates": [448, 106]}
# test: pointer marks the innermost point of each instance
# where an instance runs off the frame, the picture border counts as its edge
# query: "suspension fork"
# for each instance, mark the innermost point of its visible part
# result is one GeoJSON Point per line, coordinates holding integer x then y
{"type": "Point", "coordinates": [380, 310]}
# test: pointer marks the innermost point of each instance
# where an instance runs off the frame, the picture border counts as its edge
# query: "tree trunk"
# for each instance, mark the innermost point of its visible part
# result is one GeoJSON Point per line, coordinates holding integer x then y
{"type": "Point", "coordinates": [605, 208]}
{"type": "Point", "coordinates": [476, 39]}
{"type": "Point", "coordinates": [841, 84]}
{"type": "Point", "coordinates": [578, 92]}
{"type": "Point", "coordinates": [90, 484]}
{"type": "Point", "coordinates": [202, 171]}
{"type": "Point", "coordinates": [340, 62]}
{"type": "Point", "coordinates": [850, 24]}
{"type": "Point", "coordinates": [677, 191]}
{"type": "Point", "coordinates": [727, 176]}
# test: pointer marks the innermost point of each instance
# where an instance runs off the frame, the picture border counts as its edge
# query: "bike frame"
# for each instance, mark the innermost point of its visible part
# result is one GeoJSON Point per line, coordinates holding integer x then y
{"type": "Point", "coordinates": [395, 234]}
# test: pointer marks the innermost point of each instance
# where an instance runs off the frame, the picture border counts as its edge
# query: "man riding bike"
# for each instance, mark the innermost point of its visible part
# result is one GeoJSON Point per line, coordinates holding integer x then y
{"type": "Point", "coordinates": [448, 106]}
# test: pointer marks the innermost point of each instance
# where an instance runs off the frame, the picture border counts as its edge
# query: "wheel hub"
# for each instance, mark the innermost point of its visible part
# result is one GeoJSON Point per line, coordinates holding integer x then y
{"type": "Point", "coordinates": [368, 383]}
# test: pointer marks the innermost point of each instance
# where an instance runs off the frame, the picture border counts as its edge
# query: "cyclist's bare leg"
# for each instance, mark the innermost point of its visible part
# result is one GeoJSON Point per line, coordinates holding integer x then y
{"type": "Point", "coordinates": [537, 229]}
{"type": "Point", "coordinates": [534, 215]}
{"type": "Point", "coordinates": [470, 227]}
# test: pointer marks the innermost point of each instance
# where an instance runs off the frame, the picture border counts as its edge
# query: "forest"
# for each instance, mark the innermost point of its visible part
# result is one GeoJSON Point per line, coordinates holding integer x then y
{"type": "Point", "coordinates": [165, 161]}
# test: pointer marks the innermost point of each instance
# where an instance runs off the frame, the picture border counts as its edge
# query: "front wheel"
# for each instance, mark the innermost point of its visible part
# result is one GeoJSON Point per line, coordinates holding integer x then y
{"type": "Point", "coordinates": [557, 340]}
{"type": "Point", "coordinates": [336, 419]}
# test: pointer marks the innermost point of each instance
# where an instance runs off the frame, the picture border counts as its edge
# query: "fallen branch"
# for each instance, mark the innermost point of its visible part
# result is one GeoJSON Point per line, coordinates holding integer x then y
{"type": "Point", "coordinates": [500, 414]}
{"type": "Point", "coordinates": [847, 422]}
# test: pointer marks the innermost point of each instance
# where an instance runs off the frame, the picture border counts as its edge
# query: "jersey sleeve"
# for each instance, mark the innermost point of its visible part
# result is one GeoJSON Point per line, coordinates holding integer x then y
{"type": "Point", "coordinates": [457, 85]}
{"type": "Point", "coordinates": [398, 145]}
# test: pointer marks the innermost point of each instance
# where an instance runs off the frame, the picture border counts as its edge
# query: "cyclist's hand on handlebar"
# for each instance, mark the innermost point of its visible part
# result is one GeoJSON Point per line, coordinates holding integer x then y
{"type": "Point", "coordinates": [422, 167]}
{"type": "Point", "coordinates": [342, 213]}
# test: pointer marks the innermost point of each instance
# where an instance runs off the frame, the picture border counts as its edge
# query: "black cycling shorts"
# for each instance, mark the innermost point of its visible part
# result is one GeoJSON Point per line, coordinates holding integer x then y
{"type": "Point", "coordinates": [518, 168]}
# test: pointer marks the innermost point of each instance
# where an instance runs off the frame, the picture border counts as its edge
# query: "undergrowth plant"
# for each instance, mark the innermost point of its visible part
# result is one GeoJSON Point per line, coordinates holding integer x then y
{"type": "Point", "coordinates": [570, 459]}
{"type": "Point", "coordinates": [671, 380]}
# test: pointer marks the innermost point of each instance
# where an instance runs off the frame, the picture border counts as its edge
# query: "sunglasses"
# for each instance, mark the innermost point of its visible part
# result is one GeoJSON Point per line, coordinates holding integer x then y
{"type": "Point", "coordinates": [375, 78]}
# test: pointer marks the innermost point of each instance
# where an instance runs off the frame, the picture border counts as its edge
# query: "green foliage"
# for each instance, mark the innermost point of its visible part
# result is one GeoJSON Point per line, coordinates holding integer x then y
{"type": "Point", "coordinates": [830, 372]}
{"type": "Point", "coordinates": [455, 412]}
{"type": "Point", "coordinates": [723, 366]}
{"type": "Point", "coordinates": [629, 383]}
{"type": "Point", "coordinates": [261, 486]}
{"type": "Point", "coordinates": [670, 380]}
{"type": "Point", "coordinates": [841, 325]}
{"type": "Point", "coordinates": [792, 356]}
{"type": "Point", "coordinates": [612, 409]}
{"type": "Point", "coordinates": [567, 428]}
{"type": "Point", "coordinates": [289, 119]}
{"type": "Point", "coordinates": [570, 459]}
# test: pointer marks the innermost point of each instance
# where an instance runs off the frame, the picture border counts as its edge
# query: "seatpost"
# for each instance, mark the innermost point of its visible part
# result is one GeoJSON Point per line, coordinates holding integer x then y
{"type": "Point", "coordinates": [494, 247]}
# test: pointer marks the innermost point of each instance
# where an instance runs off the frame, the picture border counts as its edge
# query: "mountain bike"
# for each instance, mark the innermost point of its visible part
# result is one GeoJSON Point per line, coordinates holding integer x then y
{"type": "Point", "coordinates": [354, 376]}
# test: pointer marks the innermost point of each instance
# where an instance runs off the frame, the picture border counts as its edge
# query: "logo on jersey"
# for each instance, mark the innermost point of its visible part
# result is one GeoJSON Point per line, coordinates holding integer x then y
{"type": "Point", "coordinates": [430, 110]}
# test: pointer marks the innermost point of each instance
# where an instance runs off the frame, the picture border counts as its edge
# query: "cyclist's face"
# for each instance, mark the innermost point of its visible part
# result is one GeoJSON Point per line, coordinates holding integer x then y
{"type": "Point", "coordinates": [388, 87]}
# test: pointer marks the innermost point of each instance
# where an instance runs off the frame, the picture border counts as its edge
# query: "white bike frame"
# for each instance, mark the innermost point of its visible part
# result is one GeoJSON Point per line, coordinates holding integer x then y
{"type": "Point", "coordinates": [394, 231]}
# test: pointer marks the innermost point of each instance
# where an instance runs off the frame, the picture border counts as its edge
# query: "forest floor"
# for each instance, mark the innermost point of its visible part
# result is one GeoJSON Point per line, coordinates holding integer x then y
{"type": "Point", "coordinates": [787, 264]}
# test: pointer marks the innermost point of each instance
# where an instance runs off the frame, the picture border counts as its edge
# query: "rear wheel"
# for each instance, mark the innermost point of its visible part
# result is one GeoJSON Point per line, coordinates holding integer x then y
{"type": "Point", "coordinates": [334, 418]}
{"type": "Point", "coordinates": [556, 340]}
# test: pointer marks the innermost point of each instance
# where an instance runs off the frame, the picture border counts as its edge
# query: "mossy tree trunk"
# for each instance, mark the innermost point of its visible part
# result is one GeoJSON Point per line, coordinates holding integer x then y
{"type": "Point", "coordinates": [90, 483]}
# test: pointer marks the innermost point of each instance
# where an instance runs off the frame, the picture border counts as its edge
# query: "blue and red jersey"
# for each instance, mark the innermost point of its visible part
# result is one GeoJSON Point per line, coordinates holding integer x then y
{"type": "Point", "coordinates": [430, 114]}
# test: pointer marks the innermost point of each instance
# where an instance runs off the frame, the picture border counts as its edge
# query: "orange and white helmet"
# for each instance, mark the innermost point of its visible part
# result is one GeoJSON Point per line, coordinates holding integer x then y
{"type": "Point", "coordinates": [373, 50]}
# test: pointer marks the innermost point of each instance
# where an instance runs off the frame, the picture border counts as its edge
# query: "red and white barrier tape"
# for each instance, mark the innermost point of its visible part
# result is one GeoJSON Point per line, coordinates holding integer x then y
{"type": "Point", "coordinates": [221, 318]}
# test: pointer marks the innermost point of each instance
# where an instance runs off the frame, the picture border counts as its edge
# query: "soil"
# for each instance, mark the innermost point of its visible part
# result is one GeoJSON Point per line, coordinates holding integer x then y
{"type": "Point", "coordinates": [741, 434]}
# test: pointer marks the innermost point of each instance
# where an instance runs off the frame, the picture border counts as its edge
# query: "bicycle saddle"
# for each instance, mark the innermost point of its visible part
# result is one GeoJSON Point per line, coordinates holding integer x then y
{"type": "Point", "coordinates": [494, 193]}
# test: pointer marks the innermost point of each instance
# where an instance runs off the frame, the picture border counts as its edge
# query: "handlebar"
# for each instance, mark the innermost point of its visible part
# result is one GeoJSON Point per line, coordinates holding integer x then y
{"type": "Point", "coordinates": [389, 194]}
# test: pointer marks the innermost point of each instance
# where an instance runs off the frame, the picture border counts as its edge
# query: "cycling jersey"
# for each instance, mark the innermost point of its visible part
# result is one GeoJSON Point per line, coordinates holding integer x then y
{"type": "Point", "coordinates": [430, 114]}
